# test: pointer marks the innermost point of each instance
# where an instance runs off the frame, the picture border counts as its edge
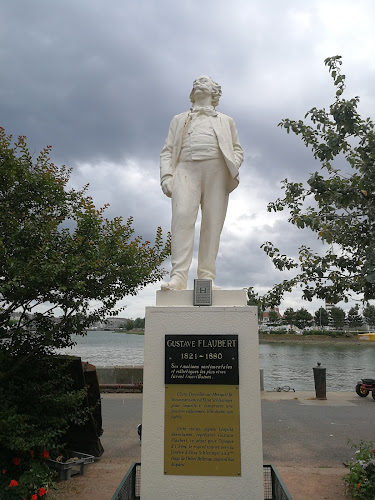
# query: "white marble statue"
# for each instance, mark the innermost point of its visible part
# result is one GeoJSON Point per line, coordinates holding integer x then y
{"type": "Point", "coordinates": [199, 166]}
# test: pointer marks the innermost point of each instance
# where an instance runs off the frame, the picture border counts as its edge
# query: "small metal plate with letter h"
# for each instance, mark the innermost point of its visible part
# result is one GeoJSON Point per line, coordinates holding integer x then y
{"type": "Point", "coordinates": [203, 292]}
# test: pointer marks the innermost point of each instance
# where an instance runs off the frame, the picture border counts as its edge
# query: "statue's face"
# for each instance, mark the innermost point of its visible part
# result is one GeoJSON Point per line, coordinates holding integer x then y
{"type": "Point", "coordinates": [202, 85]}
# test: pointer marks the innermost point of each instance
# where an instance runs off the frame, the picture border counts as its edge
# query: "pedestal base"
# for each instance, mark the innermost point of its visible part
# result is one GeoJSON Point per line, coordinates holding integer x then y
{"type": "Point", "coordinates": [182, 319]}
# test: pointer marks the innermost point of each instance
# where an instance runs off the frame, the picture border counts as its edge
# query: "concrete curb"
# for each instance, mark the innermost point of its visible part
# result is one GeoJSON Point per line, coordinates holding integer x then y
{"type": "Point", "coordinates": [308, 398]}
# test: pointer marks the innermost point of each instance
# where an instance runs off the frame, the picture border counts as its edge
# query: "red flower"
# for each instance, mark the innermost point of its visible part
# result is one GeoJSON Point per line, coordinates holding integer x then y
{"type": "Point", "coordinates": [45, 454]}
{"type": "Point", "coordinates": [373, 451]}
{"type": "Point", "coordinates": [34, 497]}
{"type": "Point", "coordinates": [13, 483]}
{"type": "Point", "coordinates": [16, 461]}
{"type": "Point", "coordinates": [41, 492]}
{"type": "Point", "coordinates": [4, 471]}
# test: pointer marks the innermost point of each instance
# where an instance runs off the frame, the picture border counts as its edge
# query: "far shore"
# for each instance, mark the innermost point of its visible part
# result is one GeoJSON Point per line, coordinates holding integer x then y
{"type": "Point", "coordinates": [291, 338]}
{"type": "Point", "coordinates": [132, 332]}
{"type": "Point", "coordinates": [273, 338]}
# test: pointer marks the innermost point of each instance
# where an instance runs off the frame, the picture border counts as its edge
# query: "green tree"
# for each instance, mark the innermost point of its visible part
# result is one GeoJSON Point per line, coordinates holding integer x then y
{"type": "Point", "coordinates": [254, 300]}
{"type": "Point", "coordinates": [338, 206]}
{"type": "Point", "coordinates": [273, 317]}
{"type": "Point", "coordinates": [302, 318]}
{"type": "Point", "coordinates": [63, 266]}
{"type": "Point", "coordinates": [321, 317]}
{"type": "Point", "coordinates": [289, 316]}
{"type": "Point", "coordinates": [130, 324]}
{"type": "Point", "coordinates": [354, 318]}
{"type": "Point", "coordinates": [369, 315]}
{"type": "Point", "coordinates": [59, 255]}
{"type": "Point", "coordinates": [337, 317]}
{"type": "Point", "coordinates": [139, 323]}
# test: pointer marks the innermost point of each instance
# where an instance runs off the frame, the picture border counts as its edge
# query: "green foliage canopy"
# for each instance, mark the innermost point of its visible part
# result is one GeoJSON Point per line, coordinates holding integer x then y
{"type": "Point", "coordinates": [369, 315]}
{"type": "Point", "coordinates": [130, 324]}
{"type": "Point", "coordinates": [337, 317]}
{"type": "Point", "coordinates": [302, 318]}
{"type": "Point", "coordinates": [273, 317]}
{"type": "Point", "coordinates": [254, 300]}
{"type": "Point", "coordinates": [321, 317]}
{"type": "Point", "coordinates": [289, 316]}
{"type": "Point", "coordinates": [354, 318]}
{"type": "Point", "coordinates": [60, 255]}
{"type": "Point", "coordinates": [139, 323]}
{"type": "Point", "coordinates": [340, 207]}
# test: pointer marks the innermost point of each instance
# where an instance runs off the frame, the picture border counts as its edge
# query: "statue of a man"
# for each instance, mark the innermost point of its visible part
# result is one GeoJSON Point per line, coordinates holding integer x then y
{"type": "Point", "coordinates": [199, 167]}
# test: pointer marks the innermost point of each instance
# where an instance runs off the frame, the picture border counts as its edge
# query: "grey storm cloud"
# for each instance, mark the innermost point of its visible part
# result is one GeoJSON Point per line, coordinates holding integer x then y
{"type": "Point", "coordinates": [100, 82]}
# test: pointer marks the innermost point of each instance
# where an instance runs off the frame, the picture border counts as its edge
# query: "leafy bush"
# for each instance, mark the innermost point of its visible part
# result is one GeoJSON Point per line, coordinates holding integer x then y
{"type": "Point", "coordinates": [37, 406]}
{"type": "Point", "coordinates": [25, 477]}
{"type": "Point", "coordinates": [336, 333]}
{"type": "Point", "coordinates": [315, 332]}
{"type": "Point", "coordinates": [361, 477]}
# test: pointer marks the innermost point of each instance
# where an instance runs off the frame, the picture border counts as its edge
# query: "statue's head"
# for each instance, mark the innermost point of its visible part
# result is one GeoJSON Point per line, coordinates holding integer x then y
{"type": "Point", "coordinates": [207, 82]}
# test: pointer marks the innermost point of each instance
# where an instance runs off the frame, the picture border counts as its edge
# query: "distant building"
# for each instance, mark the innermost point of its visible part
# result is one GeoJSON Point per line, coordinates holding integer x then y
{"type": "Point", "coordinates": [266, 313]}
{"type": "Point", "coordinates": [328, 307]}
{"type": "Point", "coordinates": [15, 316]}
{"type": "Point", "coordinates": [113, 323]}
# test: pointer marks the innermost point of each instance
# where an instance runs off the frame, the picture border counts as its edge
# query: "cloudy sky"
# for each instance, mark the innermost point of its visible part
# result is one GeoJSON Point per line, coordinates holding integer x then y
{"type": "Point", "coordinates": [100, 82]}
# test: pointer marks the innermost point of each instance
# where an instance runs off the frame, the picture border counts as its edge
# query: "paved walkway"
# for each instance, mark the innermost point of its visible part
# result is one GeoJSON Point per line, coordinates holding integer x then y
{"type": "Point", "coordinates": [297, 429]}
{"type": "Point", "coordinates": [307, 441]}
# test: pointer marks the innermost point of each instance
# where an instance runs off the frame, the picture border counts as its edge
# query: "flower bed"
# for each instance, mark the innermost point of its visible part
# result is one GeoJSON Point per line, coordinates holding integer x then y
{"type": "Point", "coordinates": [24, 475]}
{"type": "Point", "coordinates": [361, 477]}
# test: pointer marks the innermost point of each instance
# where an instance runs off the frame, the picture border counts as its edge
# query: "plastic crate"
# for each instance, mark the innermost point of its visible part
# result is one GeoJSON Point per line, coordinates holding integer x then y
{"type": "Point", "coordinates": [68, 469]}
{"type": "Point", "coordinates": [129, 488]}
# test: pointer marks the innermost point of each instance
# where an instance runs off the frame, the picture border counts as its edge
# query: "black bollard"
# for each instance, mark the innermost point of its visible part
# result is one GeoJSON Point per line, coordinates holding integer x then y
{"type": "Point", "coordinates": [320, 382]}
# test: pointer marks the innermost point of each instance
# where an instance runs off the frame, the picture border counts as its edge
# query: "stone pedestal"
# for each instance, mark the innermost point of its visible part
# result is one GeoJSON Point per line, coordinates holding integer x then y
{"type": "Point", "coordinates": [229, 315]}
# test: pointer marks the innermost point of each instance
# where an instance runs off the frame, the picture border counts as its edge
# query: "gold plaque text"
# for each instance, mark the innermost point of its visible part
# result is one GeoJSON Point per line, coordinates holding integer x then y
{"type": "Point", "coordinates": [202, 430]}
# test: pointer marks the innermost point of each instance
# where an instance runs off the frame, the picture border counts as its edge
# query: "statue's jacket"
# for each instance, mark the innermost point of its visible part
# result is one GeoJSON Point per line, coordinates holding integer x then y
{"type": "Point", "coordinates": [226, 133]}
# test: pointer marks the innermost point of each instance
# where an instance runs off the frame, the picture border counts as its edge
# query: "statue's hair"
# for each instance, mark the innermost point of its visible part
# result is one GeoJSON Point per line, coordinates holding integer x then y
{"type": "Point", "coordinates": [216, 92]}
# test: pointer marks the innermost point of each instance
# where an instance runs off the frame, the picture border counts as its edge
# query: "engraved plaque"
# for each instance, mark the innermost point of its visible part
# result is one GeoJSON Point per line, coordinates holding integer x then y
{"type": "Point", "coordinates": [202, 293]}
{"type": "Point", "coordinates": [202, 430]}
{"type": "Point", "coordinates": [201, 359]}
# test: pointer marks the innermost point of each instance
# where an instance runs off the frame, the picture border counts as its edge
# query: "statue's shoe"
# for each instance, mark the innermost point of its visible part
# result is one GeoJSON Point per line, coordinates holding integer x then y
{"type": "Point", "coordinates": [214, 287]}
{"type": "Point", "coordinates": [173, 284]}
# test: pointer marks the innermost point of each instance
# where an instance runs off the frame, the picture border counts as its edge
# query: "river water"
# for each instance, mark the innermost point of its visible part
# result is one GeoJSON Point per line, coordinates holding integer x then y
{"type": "Point", "coordinates": [284, 364]}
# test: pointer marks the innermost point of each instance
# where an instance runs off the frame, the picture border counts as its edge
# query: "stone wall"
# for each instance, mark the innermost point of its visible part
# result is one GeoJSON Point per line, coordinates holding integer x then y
{"type": "Point", "coordinates": [131, 374]}
{"type": "Point", "coordinates": [128, 374]}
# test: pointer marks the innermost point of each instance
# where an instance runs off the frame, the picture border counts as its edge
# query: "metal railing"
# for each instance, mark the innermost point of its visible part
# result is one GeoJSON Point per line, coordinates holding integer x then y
{"type": "Point", "coordinates": [129, 488]}
{"type": "Point", "coordinates": [274, 487]}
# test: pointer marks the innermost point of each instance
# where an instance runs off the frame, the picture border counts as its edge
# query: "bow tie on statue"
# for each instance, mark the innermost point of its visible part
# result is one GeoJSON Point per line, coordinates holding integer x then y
{"type": "Point", "coordinates": [204, 110]}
